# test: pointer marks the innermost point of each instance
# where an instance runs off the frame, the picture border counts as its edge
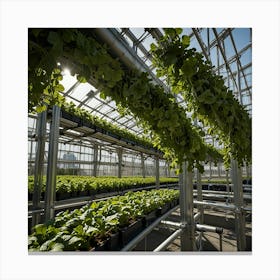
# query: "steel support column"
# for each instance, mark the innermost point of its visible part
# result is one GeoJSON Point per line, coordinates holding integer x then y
{"type": "Point", "coordinates": [199, 196]}
{"type": "Point", "coordinates": [168, 169]}
{"type": "Point", "coordinates": [186, 209]}
{"type": "Point", "coordinates": [238, 201]}
{"type": "Point", "coordinates": [39, 164]}
{"type": "Point", "coordinates": [157, 172]}
{"type": "Point", "coordinates": [95, 160]}
{"type": "Point", "coordinates": [120, 152]}
{"type": "Point", "coordinates": [227, 187]}
{"type": "Point", "coordinates": [52, 164]}
{"type": "Point", "coordinates": [143, 166]}
{"type": "Point", "coordinates": [239, 84]}
{"type": "Point", "coordinates": [219, 169]}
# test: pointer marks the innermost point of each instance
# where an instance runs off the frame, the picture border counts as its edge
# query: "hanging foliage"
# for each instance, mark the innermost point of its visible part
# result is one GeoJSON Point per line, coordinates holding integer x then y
{"type": "Point", "coordinates": [157, 111]}
{"type": "Point", "coordinates": [205, 93]}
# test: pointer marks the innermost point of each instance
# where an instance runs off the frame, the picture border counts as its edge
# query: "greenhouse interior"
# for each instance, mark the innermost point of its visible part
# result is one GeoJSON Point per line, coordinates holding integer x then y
{"type": "Point", "coordinates": [139, 139]}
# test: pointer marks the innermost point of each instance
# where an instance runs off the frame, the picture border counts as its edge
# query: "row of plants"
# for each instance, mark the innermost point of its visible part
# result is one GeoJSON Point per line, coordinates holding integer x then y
{"type": "Point", "coordinates": [73, 186]}
{"type": "Point", "coordinates": [85, 115]}
{"type": "Point", "coordinates": [164, 121]}
{"type": "Point", "coordinates": [205, 93]}
{"type": "Point", "coordinates": [100, 224]}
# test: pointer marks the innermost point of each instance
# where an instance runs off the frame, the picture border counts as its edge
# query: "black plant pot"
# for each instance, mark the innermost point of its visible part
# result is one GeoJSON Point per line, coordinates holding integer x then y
{"type": "Point", "coordinates": [128, 233]}
{"type": "Point", "coordinates": [92, 192]}
{"type": "Point", "coordinates": [30, 196]}
{"type": "Point", "coordinates": [173, 203]}
{"type": "Point", "coordinates": [100, 247]}
{"type": "Point", "coordinates": [152, 216]}
{"type": "Point", "coordinates": [83, 193]}
{"type": "Point", "coordinates": [164, 209]}
{"type": "Point", "coordinates": [62, 196]}
{"type": "Point", "coordinates": [74, 194]}
{"type": "Point", "coordinates": [114, 242]}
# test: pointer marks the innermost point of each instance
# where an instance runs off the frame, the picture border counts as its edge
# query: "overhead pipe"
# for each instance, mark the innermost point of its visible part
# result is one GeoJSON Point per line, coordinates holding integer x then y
{"type": "Point", "coordinates": [124, 52]}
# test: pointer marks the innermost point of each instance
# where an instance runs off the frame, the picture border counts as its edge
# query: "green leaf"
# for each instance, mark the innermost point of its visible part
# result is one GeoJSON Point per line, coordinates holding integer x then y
{"type": "Point", "coordinates": [102, 95]}
{"type": "Point", "coordinates": [74, 240]}
{"type": "Point", "coordinates": [40, 109]}
{"type": "Point", "coordinates": [66, 237]}
{"type": "Point", "coordinates": [178, 30]}
{"type": "Point", "coordinates": [186, 40]}
{"type": "Point", "coordinates": [57, 247]}
{"type": "Point", "coordinates": [32, 239]}
{"type": "Point", "coordinates": [56, 41]}
{"type": "Point", "coordinates": [40, 229]}
{"type": "Point", "coordinates": [81, 79]}
{"type": "Point", "coordinates": [59, 87]}
{"type": "Point", "coordinates": [36, 31]}
{"type": "Point", "coordinates": [189, 67]}
{"type": "Point", "coordinates": [153, 47]}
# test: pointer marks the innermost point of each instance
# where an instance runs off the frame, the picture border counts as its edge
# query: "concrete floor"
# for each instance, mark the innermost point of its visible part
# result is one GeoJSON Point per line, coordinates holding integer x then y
{"type": "Point", "coordinates": [210, 241]}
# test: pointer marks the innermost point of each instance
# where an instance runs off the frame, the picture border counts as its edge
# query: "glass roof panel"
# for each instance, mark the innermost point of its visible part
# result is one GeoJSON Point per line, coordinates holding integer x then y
{"type": "Point", "coordinates": [81, 91]}
{"type": "Point", "coordinates": [68, 81]}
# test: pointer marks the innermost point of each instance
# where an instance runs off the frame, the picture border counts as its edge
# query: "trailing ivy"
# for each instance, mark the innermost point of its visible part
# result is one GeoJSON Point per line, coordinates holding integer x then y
{"type": "Point", "coordinates": [157, 111]}
{"type": "Point", "coordinates": [207, 97]}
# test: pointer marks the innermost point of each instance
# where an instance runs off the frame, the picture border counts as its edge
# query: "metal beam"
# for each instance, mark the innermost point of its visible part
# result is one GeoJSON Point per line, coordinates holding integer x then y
{"type": "Point", "coordinates": [39, 164]}
{"type": "Point", "coordinates": [123, 51]}
{"type": "Point", "coordinates": [143, 165]}
{"type": "Point", "coordinates": [52, 164]}
{"type": "Point", "coordinates": [120, 152]}
{"type": "Point", "coordinates": [223, 55]}
{"type": "Point", "coordinates": [146, 231]}
{"type": "Point", "coordinates": [157, 172]}
{"type": "Point", "coordinates": [221, 36]}
{"type": "Point", "coordinates": [239, 62]}
{"type": "Point", "coordinates": [95, 160]}
{"type": "Point", "coordinates": [199, 196]}
{"type": "Point", "coordinates": [186, 209]}
{"type": "Point", "coordinates": [202, 45]}
{"type": "Point", "coordinates": [234, 57]}
{"type": "Point", "coordinates": [169, 240]}
{"type": "Point", "coordinates": [239, 203]}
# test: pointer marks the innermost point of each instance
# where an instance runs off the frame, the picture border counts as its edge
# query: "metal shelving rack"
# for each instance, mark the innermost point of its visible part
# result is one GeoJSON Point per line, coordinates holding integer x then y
{"type": "Point", "coordinates": [226, 50]}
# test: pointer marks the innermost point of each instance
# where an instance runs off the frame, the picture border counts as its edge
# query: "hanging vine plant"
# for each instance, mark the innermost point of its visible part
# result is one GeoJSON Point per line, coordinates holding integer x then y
{"type": "Point", "coordinates": [157, 111]}
{"type": "Point", "coordinates": [46, 46]}
{"type": "Point", "coordinates": [205, 93]}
